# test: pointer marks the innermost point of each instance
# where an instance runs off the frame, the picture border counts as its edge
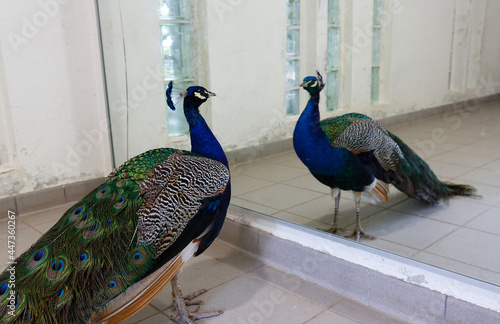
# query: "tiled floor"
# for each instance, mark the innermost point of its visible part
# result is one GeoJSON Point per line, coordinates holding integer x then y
{"type": "Point", "coordinates": [462, 236]}
{"type": "Point", "coordinates": [247, 290]}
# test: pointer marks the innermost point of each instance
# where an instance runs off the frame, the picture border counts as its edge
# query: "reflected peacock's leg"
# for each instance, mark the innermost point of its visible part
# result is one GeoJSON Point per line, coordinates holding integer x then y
{"type": "Point", "coordinates": [358, 231]}
{"type": "Point", "coordinates": [335, 227]}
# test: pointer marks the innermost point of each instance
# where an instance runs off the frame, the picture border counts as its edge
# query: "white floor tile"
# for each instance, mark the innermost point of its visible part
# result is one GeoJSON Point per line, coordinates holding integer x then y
{"type": "Point", "coordinates": [471, 247]}
{"type": "Point", "coordinates": [405, 229]}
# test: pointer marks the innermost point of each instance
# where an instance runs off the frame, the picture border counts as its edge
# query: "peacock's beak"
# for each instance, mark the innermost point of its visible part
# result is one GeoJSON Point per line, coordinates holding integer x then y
{"type": "Point", "coordinates": [211, 94]}
{"type": "Point", "coordinates": [302, 84]}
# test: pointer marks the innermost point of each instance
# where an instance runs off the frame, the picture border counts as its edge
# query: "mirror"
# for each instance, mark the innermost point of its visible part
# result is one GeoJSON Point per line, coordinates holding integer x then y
{"type": "Point", "coordinates": [428, 76]}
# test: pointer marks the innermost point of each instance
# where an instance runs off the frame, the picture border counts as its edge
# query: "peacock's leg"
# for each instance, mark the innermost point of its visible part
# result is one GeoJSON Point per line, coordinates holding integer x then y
{"type": "Point", "coordinates": [181, 313]}
{"type": "Point", "coordinates": [358, 231]}
{"type": "Point", "coordinates": [335, 227]}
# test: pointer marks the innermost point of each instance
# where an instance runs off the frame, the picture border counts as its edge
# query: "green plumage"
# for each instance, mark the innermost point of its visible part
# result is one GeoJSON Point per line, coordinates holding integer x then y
{"type": "Point", "coordinates": [89, 256]}
{"type": "Point", "coordinates": [333, 127]}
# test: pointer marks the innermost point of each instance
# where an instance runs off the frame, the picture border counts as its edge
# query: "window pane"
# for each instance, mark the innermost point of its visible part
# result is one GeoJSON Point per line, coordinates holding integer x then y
{"type": "Point", "coordinates": [175, 9]}
{"type": "Point", "coordinates": [333, 12]}
{"type": "Point", "coordinates": [332, 90]}
{"type": "Point", "coordinates": [292, 73]}
{"type": "Point", "coordinates": [292, 102]}
{"type": "Point", "coordinates": [176, 121]}
{"type": "Point", "coordinates": [375, 84]}
{"type": "Point", "coordinates": [377, 12]}
{"type": "Point", "coordinates": [292, 42]}
{"type": "Point", "coordinates": [333, 48]}
{"type": "Point", "coordinates": [176, 51]}
{"type": "Point", "coordinates": [376, 46]}
{"type": "Point", "coordinates": [293, 13]}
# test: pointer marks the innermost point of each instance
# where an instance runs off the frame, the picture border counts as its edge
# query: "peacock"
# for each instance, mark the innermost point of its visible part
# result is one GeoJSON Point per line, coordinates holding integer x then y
{"type": "Point", "coordinates": [112, 252]}
{"type": "Point", "coordinates": [354, 152]}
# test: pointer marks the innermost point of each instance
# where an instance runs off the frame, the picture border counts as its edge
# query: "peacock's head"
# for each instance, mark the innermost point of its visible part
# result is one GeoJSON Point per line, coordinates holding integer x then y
{"type": "Point", "coordinates": [313, 84]}
{"type": "Point", "coordinates": [196, 94]}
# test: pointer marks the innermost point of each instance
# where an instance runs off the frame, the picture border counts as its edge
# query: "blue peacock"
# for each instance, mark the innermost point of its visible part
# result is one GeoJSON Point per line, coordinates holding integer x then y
{"type": "Point", "coordinates": [353, 152]}
{"type": "Point", "coordinates": [112, 252]}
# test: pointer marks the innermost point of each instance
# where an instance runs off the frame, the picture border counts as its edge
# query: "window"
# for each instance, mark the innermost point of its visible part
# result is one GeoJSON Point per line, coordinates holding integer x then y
{"type": "Point", "coordinates": [175, 26]}
{"type": "Point", "coordinates": [292, 57]}
{"type": "Point", "coordinates": [333, 54]}
{"type": "Point", "coordinates": [376, 48]}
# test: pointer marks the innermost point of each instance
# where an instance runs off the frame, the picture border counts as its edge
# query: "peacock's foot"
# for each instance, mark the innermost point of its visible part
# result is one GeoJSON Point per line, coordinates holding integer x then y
{"type": "Point", "coordinates": [358, 234]}
{"type": "Point", "coordinates": [333, 230]}
{"type": "Point", "coordinates": [180, 312]}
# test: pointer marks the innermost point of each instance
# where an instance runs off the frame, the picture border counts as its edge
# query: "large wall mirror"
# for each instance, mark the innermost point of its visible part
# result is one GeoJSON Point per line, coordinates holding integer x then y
{"type": "Point", "coordinates": [382, 58]}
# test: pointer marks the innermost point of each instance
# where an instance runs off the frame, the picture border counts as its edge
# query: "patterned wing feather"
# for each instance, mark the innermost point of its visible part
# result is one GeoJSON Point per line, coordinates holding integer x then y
{"type": "Point", "coordinates": [175, 193]}
{"type": "Point", "coordinates": [359, 134]}
{"type": "Point", "coordinates": [333, 127]}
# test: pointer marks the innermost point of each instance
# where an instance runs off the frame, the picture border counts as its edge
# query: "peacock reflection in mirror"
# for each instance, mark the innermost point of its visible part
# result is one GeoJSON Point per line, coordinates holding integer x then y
{"type": "Point", "coordinates": [354, 152]}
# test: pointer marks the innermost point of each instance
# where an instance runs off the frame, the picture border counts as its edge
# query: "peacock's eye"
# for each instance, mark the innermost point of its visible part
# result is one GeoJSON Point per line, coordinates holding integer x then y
{"type": "Point", "coordinates": [201, 94]}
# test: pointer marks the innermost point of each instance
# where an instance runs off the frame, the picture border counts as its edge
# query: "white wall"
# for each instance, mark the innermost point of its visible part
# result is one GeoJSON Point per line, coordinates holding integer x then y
{"type": "Point", "coordinates": [246, 48]}
{"type": "Point", "coordinates": [52, 95]}
{"type": "Point", "coordinates": [247, 71]}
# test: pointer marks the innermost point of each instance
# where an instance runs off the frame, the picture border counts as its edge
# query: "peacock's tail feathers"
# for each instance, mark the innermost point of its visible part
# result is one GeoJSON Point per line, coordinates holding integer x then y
{"type": "Point", "coordinates": [420, 182]}
{"type": "Point", "coordinates": [461, 189]}
{"type": "Point", "coordinates": [88, 257]}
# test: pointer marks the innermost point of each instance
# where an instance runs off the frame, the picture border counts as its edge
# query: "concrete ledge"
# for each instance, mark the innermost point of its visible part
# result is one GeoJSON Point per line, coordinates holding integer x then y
{"type": "Point", "coordinates": [403, 288]}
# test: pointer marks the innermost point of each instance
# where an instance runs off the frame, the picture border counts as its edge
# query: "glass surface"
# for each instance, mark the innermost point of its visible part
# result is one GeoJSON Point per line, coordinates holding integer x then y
{"type": "Point", "coordinates": [292, 42]}
{"type": "Point", "coordinates": [176, 51]}
{"type": "Point", "coordinates": [375, 84]}
{"type": "Point", "coordinates": [377, 12]}
{"type": "Point", "coordinates": [293, 13]}
{"type": "Point", "coordinates": [292, 102]}
{"type": "Point", "coordinates": [280, 185]}
{"type": "Point", "coordinates": [292, 73]}
{"type": "Point", "coordinates": [175, 9]}
{"type": "Point", "coordinates": [376, 46]}
{"type": "Point", "coordinates": [332, 90]}
{"type": "Point", "coordinates": [333, 12]}
{"type": "Point", "coordinates": [333, 48]}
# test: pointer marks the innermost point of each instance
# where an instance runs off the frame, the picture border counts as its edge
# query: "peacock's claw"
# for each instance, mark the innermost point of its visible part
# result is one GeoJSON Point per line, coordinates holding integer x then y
{"type": "Point", "coordinates": [188, 300]}
{"type": "Point", "coordinates": [333, 230]}
{"type": "Point", "coordinates": [180, 312]}
{"type": "Point", "coordinates": [358, 234]}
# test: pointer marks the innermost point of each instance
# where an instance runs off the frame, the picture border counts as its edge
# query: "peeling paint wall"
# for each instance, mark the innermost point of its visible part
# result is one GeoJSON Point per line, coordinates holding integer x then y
{"type": "Point", "coordinates": [52, 98]}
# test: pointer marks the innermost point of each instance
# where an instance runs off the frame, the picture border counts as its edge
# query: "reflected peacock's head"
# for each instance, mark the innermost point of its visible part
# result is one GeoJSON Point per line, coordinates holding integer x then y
{"type": "Point", "coordinates": [196, 94]}
{"type": "Point", "coordinates": [313, 84]}
{"type": "Point", "coordinates": [199, 93]}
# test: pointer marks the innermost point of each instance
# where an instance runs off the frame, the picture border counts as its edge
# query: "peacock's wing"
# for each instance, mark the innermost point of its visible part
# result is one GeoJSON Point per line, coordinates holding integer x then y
{"type": "Point", "coordinates": [371, 143]}
{"type": "Point", "coordinates": [387, 156]}
{"type": "Point", "coordinates": [365, 138]}
{"type": "Point", "coordinates": [99, 248]}
{"type": "Point", "coordinates": [182, 191]}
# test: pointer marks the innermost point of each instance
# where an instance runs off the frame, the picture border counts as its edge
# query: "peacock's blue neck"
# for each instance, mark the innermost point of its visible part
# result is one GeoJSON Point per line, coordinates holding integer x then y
{"type": "Point", "coordinates": [203, 141]}
{"type": "Point", "coordinates": [311, 143]}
